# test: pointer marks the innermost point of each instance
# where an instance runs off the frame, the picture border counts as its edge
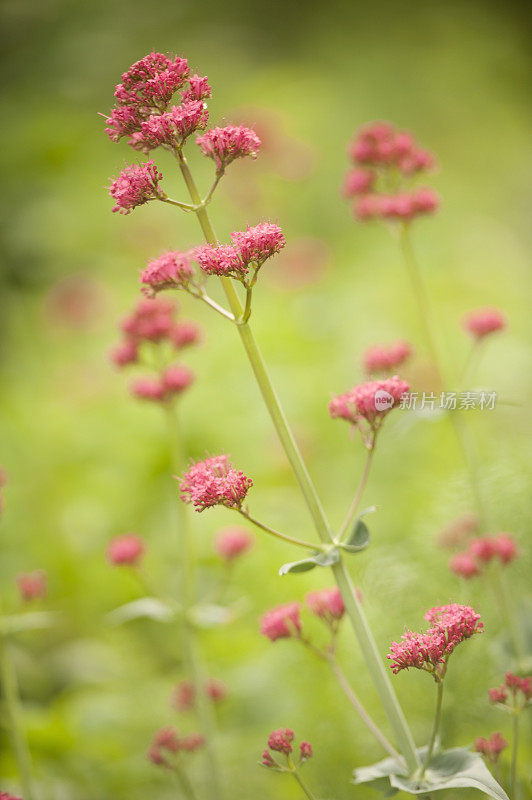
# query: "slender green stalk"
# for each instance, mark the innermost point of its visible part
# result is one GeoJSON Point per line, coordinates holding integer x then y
{"type": "Point", "coordinates": [515, 751]}
{"type": "Point", "coordinates": [354, 609]}
{"type": "Point", "coordinates": [184, 783]}
{"type": "Point", "coordinates": [358, 495]}
{"type": "Point", "coordinates": [435, 726]}
{"type": "Point", "coordinates": [192, 660]}
{"type": "Point", "coordinates": [507, 611]}
{"type": "Point", "coordinates": [13, 717]}
{"type": "Point", "coordinates": [303, 785]}
{"type": "Point", "coordinates": [273, 532]}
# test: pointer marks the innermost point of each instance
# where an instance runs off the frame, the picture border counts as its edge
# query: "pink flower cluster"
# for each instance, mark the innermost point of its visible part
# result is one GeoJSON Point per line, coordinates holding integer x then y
{"type": "Point", "coordinates": [380, 152]}
{"type": "Point", "coordinates": [369, 401]}
{"type": "Point", "coordinates": [171, 128]}
{"type": "Point", "coordinates": [7, 796]}
{"type": "Point", "coordinates": [171, 270]}
{"type": "Point", "coordinates": [281, 622]}
{"type": "Point", "coordinates": [167, 744]}
{"type": "Point", "coordinates": [451, 625]}
{"type": "Point", "coordinates": [171, 383]}
{"type": "Point", "coordinates": [515, 692]}
{"type": "Point", "coordinates": [327, 604]}
{"type": "Point", "coordinates": [223, 145]}
{"type": "Point", "coordinates": [383, 358]}
{"type": "Point", "coordinates": [32, 585]}
{"type": "Point", "coordinates": [212, 482]}
{"type": "Point", "coordinates": [280, 741]}
{"type": "Point", "coordinates": [481, 551]}
{"type": "Point", "coordinates": [184, 694]}
{"type": "Point", "coordinates": [126, 550]}
{"type": "Point", "coordinates": [233, 542]}
{"type": "Point", "coordinates": [492, 747]}
{"type": "Point", "coordinates": [484, 321]}
{"type": "Point", "coordinates": [136, 185]}
{"type": "Point", "coordinates": [251, 247]}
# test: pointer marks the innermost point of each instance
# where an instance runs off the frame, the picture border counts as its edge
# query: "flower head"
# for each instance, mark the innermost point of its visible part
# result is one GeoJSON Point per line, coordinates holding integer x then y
{"type": "Point", "coordinates": [257, 244]}
{"type": "Point", "coordinates": [215, 690]}
{"type": "Point", "coordinates": [151, 320]}
{"type": "Point", "coordinates": [128, 549]}
{"type": "Point", "coordinates": [358, 181]}
{"type": "Point", "coordinates": [492, 747]}
{"type": "Point", "coordinates": [172, 127]}
{"type": "Point", "coordinates": [167, 743]}
{"type": "Point", "coordinates": [148, 389]}
{"type": "Point", "coordinates": [199, 88]}
{"type": "Point", "coordinates": [464, 564]}
{"type": "Point", "coordinates": [176, 379]}
{"type": "Point", "coordinates": [281, 740]}
{"type": "Point", "coordinates": [498, 694]}
{"type": "Point", "coordinates": [305, 750]}
{"type": "Point", "coordinates": [124, 353]}
{"type": "Point", "coordinates": [183, 696]}
{"type": "Point", "coordinates": [171, 270]}
{"type": "Point", "coordinates": [151, 81]}
{"type": "Point", "coordinates": [32, 585]}
{"type": "Point", "coordinates": [233, 542]}
{"type": "Point", "coordinates": [326, 604]}
{"type": "Point", "coordinates": [281, 622]}
{"type": "Point", "coordinates": [519, 686]}
{"type": "Point", "coordinates": [223, 145]}
{"type": "Point", "coordinates": [185, 333]}
{"type": "Point", "coordinates": [136, 185]}
{"type": "Point", "coordinates": [382, 358]}
{"type": "Point", "coordinates": [369, 401]}
{"type": "Point", "coordinates": [221, 259]}
{"type": "Point", "coordinates": [122, 121]}
{"type": "Point", "coordinates": [214, 481]}
{"type": "Point", "coordinates": [484, 321]}
{"type": "Point", "coordinates": [7, 796]}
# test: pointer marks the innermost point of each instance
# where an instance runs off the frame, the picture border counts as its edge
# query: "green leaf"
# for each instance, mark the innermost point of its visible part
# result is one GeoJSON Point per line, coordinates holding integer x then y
{"type": "Point", "coordinates": [321, 558]}
{"type": "Point", "coordinates": [457, 768]}
{"type": "Point", "coordinates": [144, 608]}
{"type": "Point", "coordinates": [359, 538]}
{"type": "Point", "coordinates": [30, 621]}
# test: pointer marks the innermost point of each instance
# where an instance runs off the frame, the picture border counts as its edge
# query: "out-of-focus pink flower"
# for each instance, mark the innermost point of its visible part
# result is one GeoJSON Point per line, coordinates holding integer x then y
{"type": "Point", "coordinates": [267, 760]}
{"type": "Point", "coordinates": [425, 200]}
{"type": "Point", "coordinates": [281, 622]}
{"type": "Point", "coordinates": [280, 740]}
{"type": "Point", "coordinates": [517, 685]}
{"type": "Point", "coordinates": [185, 333]}
{"type": "Point", "coordinates": [482, 548]}
{"type": "Point", "coordinates": [176, 379]}
{"type": "Point", "coordinates": [214, 481]}
{"type": "Point", "coordinates": [498, 694]}
{"type": "Point", "coordinates": [382, 358]}
{"type": "Point", "coordinates": [223, 145]}
{"type": "Point", "coordinates": [191, 742]}
{"type": "Point", "coordinates": [371, 401]}
{"type": "Point", "coordinates": [171, 270]}
{"type": "Point", "coordinates": [172, 127]}
{"type": "Point", "coordinates": [168, 741]}
{"type": "Point", "coordinates": [216, 690]}
{"type": "Point", "coordinates": [124, 353]}
{"type": "Point", "coordinates": [183, 696]}
{"type": "Point", "coordinates": [369, 206]}
{"type": "Point", "coordinates": [505, 547]}
{"type": "Point", "coordinates": [32, 585]}
{"type": "Point", "coordinates": [128, 549]}
{"type": "Point", "coordinates": [464, 564]}
{"type": "Point", "coordinates": [380, 144]}
{"type": "Point", "coordinates": [519, 688]}
{"type": "Point", "coordinates": [233, 542]}
{"type": "Point", "coordinates": [305, 750]}
{"type": "Point", "coordinates": [357, 181]}
{"type": "Point", "coordinates": [221, 259]}
{"type": "Point", "coordinates": [484, 321]}
{"type": "Point", "coordinates": [136, 185]}
{"type": "Point", "coordinates": [7, 796]}
{"type": "Point", "coordinates": [259, 243]}
{"type": "Point", "coordinates": [199, 88]}
{"type": "Point", "coordinates": [458, 530]}
{"type": "Point", "coordinates": [152, 319]}
{"type": "Point", "coordinates": [326, 604]}
{"type": "Point", "coordinates": [492, 747]}
{"type": "Point", "coordinates": [148, 389]}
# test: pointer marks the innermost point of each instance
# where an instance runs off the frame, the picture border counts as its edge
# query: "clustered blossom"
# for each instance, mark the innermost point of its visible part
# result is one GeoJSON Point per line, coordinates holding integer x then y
{"type": "Point", "coordinates": [214, 481]}
{"type": "Point", "coordinates": [223, 145]}
{"type": "Point", "coordinates": [233, 542]}
{"type": "Point", "coordinates": [451, 625]}
{"type": "Point", "coordinates": [481, 551]}
{"type": "Point", "coordinates": [251, 247]}
{"type": "Point", "coordinates": [184, 694]}
{"type": "Point", "coordinates": [167, 744]}
{"type": "Point", "coordinates": [171, 383]}
{"type": "Point", "coordinates": [484, 321]}
{"type": "Point", "coordinates": [7, 796]}
{"type": "Point", "coordinates": [171, 270]}
{"type": "Point", "coordinates": [515, 692]}
{"type": "Point", "coordinates": [281, 622]}
{"type": "Point", "coordinates": [380, 152]}
{"type": "Point", "coordinates": [32, 585]}
{"type": "Point", "coordinates": [369, 401]}
{"type": "Point", "coordinates": [170, 128]}
{"type": "Point", "coordinates": [221, 259]}
{"type": "Point", "coordinates": [126, 550]}
{"type": "Point", "coordinates": [492, 747]}
{"type": "Point", "coordinates": [136, 185]}
{"type": "Point", "coordinates": [326, 604]}
{"type": "Point", "coordinates": [280, 741]}
{"type": "Point", "coordinates": [383, 358]}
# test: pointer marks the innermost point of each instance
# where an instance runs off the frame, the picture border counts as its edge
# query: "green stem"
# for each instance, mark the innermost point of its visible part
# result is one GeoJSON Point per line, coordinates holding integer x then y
{"type": "Point", "coordinates": [435, 727]}
{"type": "Point", "coordinates": [505, 604]}
{"type": "Point", "coordinates": [303, 785]}
{"type": "Point", "coordinates": [358, 495]}
{"type": "Point", "coordinates": [184, 783]}
{"type": "Point", "coordinates": [192, 660]}
{"type": "Point", "coordinates": [354, 609]}
{"type": "Point", "coordinates": [515, 750]}
{"type": "Point", "coordinates": [273, 532]}
{"type": "Point", "coordinates": [14, 719]}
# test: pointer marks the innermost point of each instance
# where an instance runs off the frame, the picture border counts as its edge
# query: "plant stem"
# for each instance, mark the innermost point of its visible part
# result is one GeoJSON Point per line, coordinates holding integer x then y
{"type": "Point", "coordinates": [14, 721]}
{"type": "Point", "coordinates": [193, 664]}
{"type": "Point", "coordinates": [354, 609]}
{"type": "Point", "coordinates": [184, 783]}
{"type": "Point", "coordinates": [435, 727]}
{"type": "Point", "coordinates": [515, 750]}
{"type": "Point", "coordinates": [303, 785]}
{"type": "Point", "coordinates": [273, 532]}
{"type": "Point", "coordinates": [358, 495]}
{"type": "Point", "coordinates": [501, 593]}
{"type": "Point", "coordinates": [361, 711]}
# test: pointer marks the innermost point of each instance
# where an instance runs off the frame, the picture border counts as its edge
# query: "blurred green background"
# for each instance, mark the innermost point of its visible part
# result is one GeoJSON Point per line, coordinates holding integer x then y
{"type": "Point", "coordinates": [86, 462]}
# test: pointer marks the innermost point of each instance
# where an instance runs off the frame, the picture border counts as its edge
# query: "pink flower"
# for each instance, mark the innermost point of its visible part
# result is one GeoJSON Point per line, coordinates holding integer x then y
{"type": "Point", "coordinates": [326, 604]}
{"type": "Point", "coordinates": [267, 760]}
{"type": "Point", "coordinates": [191, 742]}
{"type": "Point", "coordinates": [167, 738]}
{"type": "Point", "coordinates": [368, 207]}
{"type": "Point", "coordinates": [176, 379]}
{"type": "Point", "coordinates": [280, 740]}
{"type": "Point", "coordinates": [482, 548]}
{"type": "Point", "coordinates": [381, 358]}
{"type": "Point", "coordinates": [517, 685]}
{"type": "Point", "coordinates": [492, 747]}
{"type": "Point", "coordinates": [425, 201]}
{"type": "Point", "coordinates": [7, 796]}
{"type": "Point", "coordinates": [484, 321]}
{"type": "Point", "coordinates": [357, 181]}
{"type": "Point", "coordinates": [199, 89]}
{"type": "Point", "coordinates": [216, 690]}
{"type": "Point", "coordinates": [124, 353]}
{"type": "Point", "coordinates": [148, 389]}
{"type": "Point", "coordinates": [136, 185]}
{"type": "Point", "coordinates": [257, 244]}
{"type": "Point", "coordinates": [281, 622]}
{"type": "Point", "coordinates": [152, 81]}
{"type": "Point", "coordinates": [214, 481]}
{"type": "Point", "coordinates": [185, 333]}
{"type": "Point", "coordinates": [183, 696]}
{"type": "Point", "coordinates": [128, 549]}
{"type": "Point", "coordinates": [122, 121]}
{"type": "Point", "coordinates": [464, 564]}
{"type": "Point", "coordinates": [152, 319]}
{"type": "Point", "coordinates": [233, 542]}
{"type": "Point", "coordinates": [223, 145]}
{"type": "Point", "coordinates": [32, 585]}
{"type": "Point", "coordinates": [505, 547]}
{"type": "Point", "coordinates": [221, 259]}
{"type": "Point", "coordinates": [498, 694]}
{"type": "Point", "coordinates": [171, 270]}
{"type": "Point", "coordinates": [305, 750]}
{"type": "Point", "coordinates": [370, 401]}
{"type": "Point", "coordinates": [170, 128]}
{"type": "Point", "coordinates": [457, 622]}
